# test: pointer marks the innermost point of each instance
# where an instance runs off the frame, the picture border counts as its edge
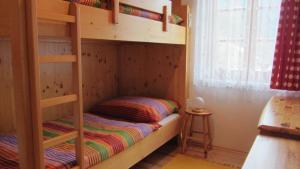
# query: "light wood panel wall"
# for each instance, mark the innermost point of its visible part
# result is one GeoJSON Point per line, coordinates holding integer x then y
{"type": "Point", "coordinates": [100, 72]}
{"type": "Point", "coordinates": [7, 117]}
{"type": "Point", "coordinates": [99, 64]}
{"type": "Point", "coordinates": [153, 70]}
{"type": "Point", "coordinates": [100, 77]}
{"type": "Point", "coordinates": [5, 18]}
{"type": "Point", "coordinates": [131, 68]}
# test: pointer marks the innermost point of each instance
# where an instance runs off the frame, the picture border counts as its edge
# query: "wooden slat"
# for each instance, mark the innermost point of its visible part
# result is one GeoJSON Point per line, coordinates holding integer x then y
{"type": "Point", "coordinates": [35, 92]}
{"type": "Point", "coordinates": [77, 81]}
{"type": "Point", "coordinates": [59, 6]}
{"type": "Point", "coordinates": [56, 17]}
{"type": "Point", "coordinates": [165, 19]}
{"type": "Point", "coordinates": [97, 24]}
{"type": "Point", "coordinates": [58, 59]}
{"type": "Point", "coordinates": [58, 100]}
{"type": "Point", "coordinates": [115, 12]}
{"type": "Point", "coordinates": [60, 139]}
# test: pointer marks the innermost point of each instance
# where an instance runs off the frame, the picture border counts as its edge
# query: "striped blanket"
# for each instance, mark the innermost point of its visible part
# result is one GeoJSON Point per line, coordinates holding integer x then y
{"type": "Point", "coordinates": [130, 10]}
{"type": "Point", "coordinates": [103, 139]}
{"type": "Point", "coordinates": [107, 4]}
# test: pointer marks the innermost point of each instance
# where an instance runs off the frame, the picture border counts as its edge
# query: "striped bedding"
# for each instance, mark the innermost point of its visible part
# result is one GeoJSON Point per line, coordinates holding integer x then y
{"type": "Point", "coordinates": [126, 9]}
{"type": "Point", "coordinates": [103, 139]}
{"type": "Point", "coordinates": [137, 108]}
{"type": "Point", "coordinates": [107, 4]}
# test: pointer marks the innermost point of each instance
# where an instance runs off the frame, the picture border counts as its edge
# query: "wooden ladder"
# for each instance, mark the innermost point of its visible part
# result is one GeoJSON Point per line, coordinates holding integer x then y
{"type": "Point", "coordinates": [38, 104]}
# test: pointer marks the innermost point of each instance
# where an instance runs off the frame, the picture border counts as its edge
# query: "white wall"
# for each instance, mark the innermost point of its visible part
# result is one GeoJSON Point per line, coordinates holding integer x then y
{"type": "Point", "coordinates": [236, 112]}
{"type": "Point", "coordinates": [235, 115]}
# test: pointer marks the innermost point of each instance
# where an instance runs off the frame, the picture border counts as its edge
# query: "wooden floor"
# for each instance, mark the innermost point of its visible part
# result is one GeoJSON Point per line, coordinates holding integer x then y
{"type": "Point", "coordinates": [166, 153]}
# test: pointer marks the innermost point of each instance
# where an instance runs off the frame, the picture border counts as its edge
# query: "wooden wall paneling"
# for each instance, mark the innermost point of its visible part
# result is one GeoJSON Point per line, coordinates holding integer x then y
{"type": "Point", "coordinates": [132, 70]}
{"type": "Point", "coordinates": [100, 75]}
{"type": "Point", "coordinates": [7, 113]}
{"type": "Point", "coordinates": [56, 78]}
{"type": "Point", "coordinates": [99, 64]}
{"type": "Point", "coordinates": [5, 18]}
{"type": "Point", "coordinates": [154, 70]}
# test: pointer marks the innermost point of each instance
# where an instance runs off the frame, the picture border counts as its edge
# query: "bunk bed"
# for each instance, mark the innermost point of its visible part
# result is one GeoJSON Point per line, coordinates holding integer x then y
{"type": "Point", "coordinates": [111, 25]}
{"type": "Point", "coordinates": [58, 18]}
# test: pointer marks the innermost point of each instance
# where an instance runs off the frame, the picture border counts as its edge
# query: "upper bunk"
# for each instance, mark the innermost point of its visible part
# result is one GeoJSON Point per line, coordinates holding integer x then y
{"type": "Point", "coordinates": [109, 24]}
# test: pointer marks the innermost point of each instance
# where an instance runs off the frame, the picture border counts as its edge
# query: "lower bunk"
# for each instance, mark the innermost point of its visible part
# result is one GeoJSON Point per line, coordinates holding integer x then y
{"type": "Point", "coordinates": [109, 143]}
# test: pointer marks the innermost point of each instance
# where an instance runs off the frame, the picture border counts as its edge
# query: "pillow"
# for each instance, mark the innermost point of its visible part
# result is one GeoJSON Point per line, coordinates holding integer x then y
{"type": "Point", "coordinates": [175, 19]}
{"type": "Point", "coordinates": [137, 109]}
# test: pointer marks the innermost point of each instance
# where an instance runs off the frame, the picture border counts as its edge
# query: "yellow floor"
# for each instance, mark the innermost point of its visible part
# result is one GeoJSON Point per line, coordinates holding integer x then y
{"type": "Point", "coordinates": [164, 155]}
{"type": "Point", "coordinates": [186, 162]}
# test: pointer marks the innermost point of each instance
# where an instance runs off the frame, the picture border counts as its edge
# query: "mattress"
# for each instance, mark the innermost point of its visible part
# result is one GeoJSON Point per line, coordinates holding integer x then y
{"type": "Point", "coordinates": [168, 119]}
{"type": "Point", "coordinates": [103, 138]}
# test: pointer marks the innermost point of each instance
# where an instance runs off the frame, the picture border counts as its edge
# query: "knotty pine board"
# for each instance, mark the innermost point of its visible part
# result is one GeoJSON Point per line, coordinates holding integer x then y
{"type": "Point", "coordinates": [152, 69]}
{"type": "Point", "coordinates": [99, 63]}
{"type": "Point", "coordinates": [109, 69]}
{"type": "Point", "coordinates": [7, 117]}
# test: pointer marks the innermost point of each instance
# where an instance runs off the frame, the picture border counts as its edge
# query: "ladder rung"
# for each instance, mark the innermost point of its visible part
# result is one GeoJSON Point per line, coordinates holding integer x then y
{"type": "Point", "coordinates": [58, 100]}
{"type": "Point", "coordinates": [56, 17]}
{"type": "Point", "coordinates": [58, 58]}
{"type": "Point", "coordinates": [60, 139]}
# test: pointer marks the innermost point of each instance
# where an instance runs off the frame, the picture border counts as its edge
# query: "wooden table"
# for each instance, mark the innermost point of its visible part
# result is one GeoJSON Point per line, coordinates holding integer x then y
{"type": "Point", "coordinates": [281, 116]}
{"type": "Point", "coordinates": [278, 145]}
{"type": "Point", "coordinates": [270, 152]}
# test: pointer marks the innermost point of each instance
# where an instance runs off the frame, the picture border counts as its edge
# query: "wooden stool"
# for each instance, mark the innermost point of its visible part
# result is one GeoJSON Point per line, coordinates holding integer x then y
{"type": "Point", "coordinates": [188, 129]}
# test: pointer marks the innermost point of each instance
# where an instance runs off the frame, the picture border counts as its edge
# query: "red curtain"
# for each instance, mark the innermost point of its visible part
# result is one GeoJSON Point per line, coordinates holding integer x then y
{"type": "Point", "coordinates": [286, 65]}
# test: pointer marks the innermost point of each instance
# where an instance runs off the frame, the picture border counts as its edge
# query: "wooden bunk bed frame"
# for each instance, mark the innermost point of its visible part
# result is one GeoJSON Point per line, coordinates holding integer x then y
{"type": "Point", "coordinates": [110, 24]}
{"type": "Point", "coordinates": [24, 22]}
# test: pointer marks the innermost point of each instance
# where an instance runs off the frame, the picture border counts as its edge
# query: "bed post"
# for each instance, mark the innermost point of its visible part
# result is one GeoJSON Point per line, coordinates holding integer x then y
{"type": "Point", "coordinates": [184, 12]}
{"type": "Point", "coordinates": [165, 18]}
{"type": "Point", "coordinates": [21, 83]}
{"type": "Point", "coordinates": [115, 12]}
{"type": "Point", "coordinates": [35, 96]}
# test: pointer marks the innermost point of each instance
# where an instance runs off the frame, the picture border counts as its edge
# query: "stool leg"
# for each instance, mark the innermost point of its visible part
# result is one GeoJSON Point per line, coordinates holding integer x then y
{"type": "Point", "coordinates": [204, 136]}
{"type": "Point", "coordinates": [191, 127]}
{"type": "Point", "coordinates": [185, 132]}
{"type": "Point", "coordinates": [209, 134]}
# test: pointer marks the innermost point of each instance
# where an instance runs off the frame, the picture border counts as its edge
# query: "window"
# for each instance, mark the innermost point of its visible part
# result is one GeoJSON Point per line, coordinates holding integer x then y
{"type": "Point", "coordinates": [235, 42]}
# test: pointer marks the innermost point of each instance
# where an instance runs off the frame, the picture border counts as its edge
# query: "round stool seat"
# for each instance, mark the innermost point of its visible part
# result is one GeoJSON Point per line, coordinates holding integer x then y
{"type": "Point", "coordinates": [199, 112]}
